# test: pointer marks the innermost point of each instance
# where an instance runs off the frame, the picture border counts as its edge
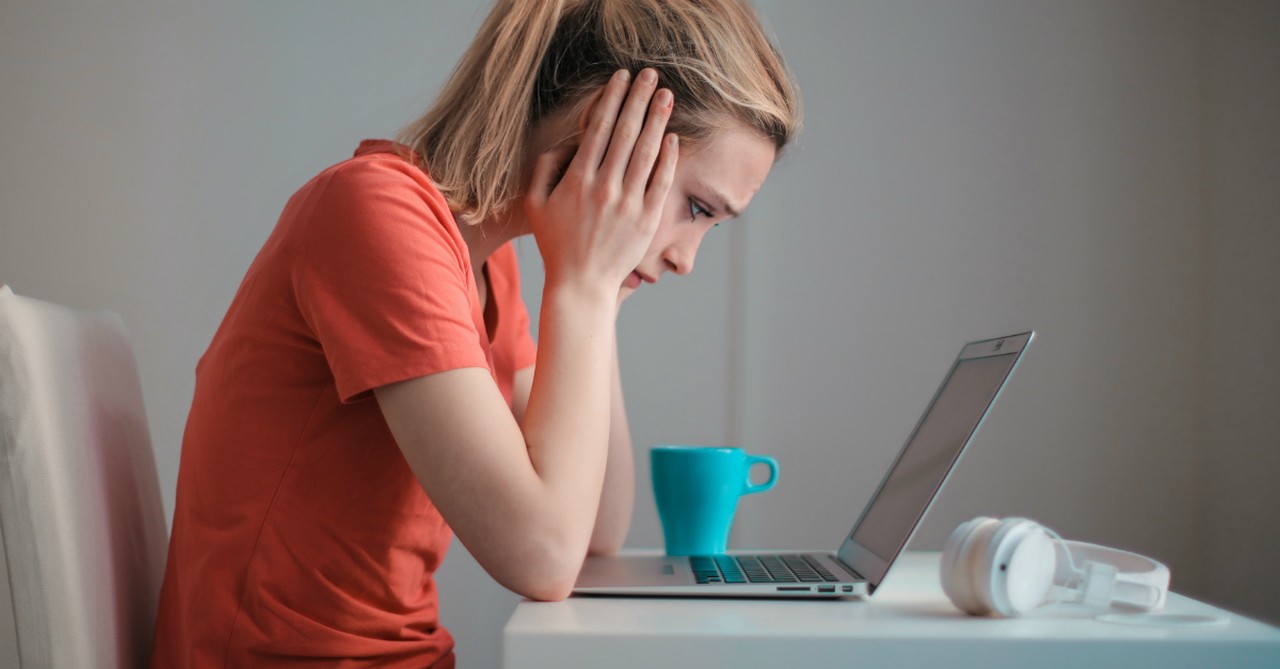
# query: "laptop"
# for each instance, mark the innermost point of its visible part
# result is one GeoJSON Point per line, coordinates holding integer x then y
{"type": "Point", "coordinates": [881, 533]}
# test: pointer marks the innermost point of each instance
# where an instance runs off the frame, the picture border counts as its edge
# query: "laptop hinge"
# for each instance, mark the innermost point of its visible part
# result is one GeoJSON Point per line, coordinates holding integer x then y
{"type": "Point", "coordinates": [848, 568]}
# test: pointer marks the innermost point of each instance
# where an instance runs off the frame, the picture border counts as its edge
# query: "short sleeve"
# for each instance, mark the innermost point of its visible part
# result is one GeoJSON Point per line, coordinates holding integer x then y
{"type": "Point", "coordinates": [382, 276]}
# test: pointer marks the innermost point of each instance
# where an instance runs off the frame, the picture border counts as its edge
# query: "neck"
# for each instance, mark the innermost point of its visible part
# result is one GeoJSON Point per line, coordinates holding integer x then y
{"type": "Point", "coordinates": [489, 235]}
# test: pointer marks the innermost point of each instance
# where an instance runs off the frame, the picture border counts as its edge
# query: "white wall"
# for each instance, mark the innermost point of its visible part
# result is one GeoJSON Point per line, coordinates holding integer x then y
{"type": "Point", "coordinates": [1096, 170]}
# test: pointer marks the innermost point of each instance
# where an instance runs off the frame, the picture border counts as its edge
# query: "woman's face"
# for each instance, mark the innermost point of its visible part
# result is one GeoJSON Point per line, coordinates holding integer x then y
{"type": "Point", "coordinates": [714, 182]}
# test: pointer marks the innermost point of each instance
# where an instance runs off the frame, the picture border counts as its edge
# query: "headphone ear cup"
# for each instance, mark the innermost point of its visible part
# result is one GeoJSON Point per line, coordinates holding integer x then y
{"type": "Point", "coordinates": [1030, 571]}
{"type": "Point", "coordinates": [994, 544]}
{"type": "Point", "coordinates": [958, 558]}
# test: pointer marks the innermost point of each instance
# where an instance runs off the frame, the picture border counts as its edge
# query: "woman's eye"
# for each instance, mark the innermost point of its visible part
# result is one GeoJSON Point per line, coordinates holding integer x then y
{"type": "Point", "coordinates": [696, 210]}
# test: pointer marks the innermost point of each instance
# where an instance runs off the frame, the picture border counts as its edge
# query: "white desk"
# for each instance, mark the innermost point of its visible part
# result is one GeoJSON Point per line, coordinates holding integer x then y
{"type": "Point", "coordinates": [908, 622]}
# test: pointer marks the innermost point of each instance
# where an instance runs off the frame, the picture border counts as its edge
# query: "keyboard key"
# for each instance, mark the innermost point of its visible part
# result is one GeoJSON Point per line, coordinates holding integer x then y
{"type": "Point", "coordinates": [792, 568]}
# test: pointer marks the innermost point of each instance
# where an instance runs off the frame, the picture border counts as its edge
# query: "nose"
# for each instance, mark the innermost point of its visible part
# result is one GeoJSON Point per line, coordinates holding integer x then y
{"type": "Point", "coordinates": [682, 251]}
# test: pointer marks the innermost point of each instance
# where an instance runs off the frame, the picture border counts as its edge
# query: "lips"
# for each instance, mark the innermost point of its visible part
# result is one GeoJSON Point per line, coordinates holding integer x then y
{"type": "Point", "coordinates": [634, 279]}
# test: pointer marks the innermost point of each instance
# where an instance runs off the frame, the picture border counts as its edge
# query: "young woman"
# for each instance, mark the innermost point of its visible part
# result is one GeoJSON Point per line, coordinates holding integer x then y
{"type": "Point", "coordinates": [374, 388]}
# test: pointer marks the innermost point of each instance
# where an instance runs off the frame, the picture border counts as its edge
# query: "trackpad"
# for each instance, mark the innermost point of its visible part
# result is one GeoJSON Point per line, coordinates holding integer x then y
{"type": "Point", "coordinates": [600, 571]}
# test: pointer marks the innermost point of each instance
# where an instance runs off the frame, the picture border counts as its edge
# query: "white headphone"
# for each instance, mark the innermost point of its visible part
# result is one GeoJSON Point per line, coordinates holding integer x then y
{"type": "Point", "coordinates": [1013, 565]}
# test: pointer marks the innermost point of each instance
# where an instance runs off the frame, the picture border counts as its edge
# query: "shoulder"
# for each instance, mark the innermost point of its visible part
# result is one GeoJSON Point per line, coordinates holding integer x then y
{"type": "Point", "coordinates": [379, 167]}
{"type": "Point", "coordinates": [374, 222]}
{"type": "Point", "coordinates": [380, 192]}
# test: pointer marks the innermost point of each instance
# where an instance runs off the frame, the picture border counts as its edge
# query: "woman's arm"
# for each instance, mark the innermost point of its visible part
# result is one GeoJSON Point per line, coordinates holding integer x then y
{"type": "Point", "coordinates": [523, 497]}
{"type": "Point", "coordinates": [617, 498]}
{"type": "Point", "coordinates": [522, 501]}
{"type": "Point", "coordinates": [613, 520]}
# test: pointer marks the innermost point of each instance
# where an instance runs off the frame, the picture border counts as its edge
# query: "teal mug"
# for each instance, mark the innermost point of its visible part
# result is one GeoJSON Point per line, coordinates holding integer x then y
{"type": "Point", "coordinates": [697, 489]}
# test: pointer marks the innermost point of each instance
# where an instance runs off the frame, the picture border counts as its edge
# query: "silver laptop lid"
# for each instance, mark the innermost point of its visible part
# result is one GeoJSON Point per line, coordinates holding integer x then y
{"type": "Point", "coordinates": [953, 417]}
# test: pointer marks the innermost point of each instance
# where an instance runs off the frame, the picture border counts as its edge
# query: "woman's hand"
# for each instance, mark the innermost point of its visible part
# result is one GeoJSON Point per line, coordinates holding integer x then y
{"type": "Point", "coordinates": [594, 226]}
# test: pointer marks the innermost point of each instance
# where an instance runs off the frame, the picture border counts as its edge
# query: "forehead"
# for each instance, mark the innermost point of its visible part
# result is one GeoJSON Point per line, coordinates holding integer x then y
{"type": "Point", "coordinates": [734, 162]}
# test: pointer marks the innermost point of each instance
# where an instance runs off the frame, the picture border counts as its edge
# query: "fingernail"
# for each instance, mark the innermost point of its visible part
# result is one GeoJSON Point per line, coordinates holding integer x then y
{"type": "Point", "coordinates": [664, 97]}
{"type": "Point", "coordinates": [622, 75]}
{"type": "Point", "coordinates": [649, 76]}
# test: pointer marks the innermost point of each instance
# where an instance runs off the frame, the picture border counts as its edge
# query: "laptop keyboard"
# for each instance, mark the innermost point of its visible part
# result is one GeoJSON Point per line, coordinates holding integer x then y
{"type": "Point", "coordinates": [759, 569]}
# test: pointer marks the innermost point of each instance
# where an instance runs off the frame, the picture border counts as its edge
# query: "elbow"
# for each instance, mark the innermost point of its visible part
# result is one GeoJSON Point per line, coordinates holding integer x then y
{"type": "Point", "coordinates": [546, 571]}
{"type": "Point", "coordinates": [547, 591]}
{"type": "Point", "coordinates": [544, 586]}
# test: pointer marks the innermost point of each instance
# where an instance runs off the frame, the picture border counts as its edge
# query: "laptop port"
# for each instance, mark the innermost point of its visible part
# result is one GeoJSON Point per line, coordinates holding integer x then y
{"type": "Point", "coordinates": [826, 588]}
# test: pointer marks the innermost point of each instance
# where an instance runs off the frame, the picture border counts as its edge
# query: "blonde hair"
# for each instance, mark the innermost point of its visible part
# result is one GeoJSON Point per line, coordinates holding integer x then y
{"type": "Point", "coordinates": [533, 58]}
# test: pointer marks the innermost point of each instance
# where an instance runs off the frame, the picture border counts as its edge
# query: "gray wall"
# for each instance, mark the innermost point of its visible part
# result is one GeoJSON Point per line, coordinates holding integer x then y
{"type": "Point", "coordinates": [1100, 171]}
{"type": "Point", "coordinates": [1240, 443]}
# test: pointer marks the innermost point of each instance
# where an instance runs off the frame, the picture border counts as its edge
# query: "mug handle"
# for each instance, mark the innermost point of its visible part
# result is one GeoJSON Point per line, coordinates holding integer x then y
{"type": "Point", "coordinates": [752, 460]}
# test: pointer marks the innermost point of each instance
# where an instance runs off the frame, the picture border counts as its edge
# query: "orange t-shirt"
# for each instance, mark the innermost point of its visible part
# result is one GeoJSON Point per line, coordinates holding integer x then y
{"type": "Point", "coordinates": [300, 534]}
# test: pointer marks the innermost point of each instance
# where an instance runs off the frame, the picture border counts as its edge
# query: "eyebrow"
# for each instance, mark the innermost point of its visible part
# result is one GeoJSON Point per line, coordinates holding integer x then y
{"type": "Point", "coordinates": [733, 211]}
{"type": "Point", "coordinates": [723, 201]}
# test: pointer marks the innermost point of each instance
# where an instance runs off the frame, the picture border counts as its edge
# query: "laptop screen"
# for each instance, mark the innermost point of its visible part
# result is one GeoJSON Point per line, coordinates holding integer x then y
{"type": "Point", "coordinates": [924, 462]}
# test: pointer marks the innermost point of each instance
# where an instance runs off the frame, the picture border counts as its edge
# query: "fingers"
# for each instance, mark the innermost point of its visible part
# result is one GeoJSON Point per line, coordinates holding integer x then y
{"type": "Point", "coordinates": [595, 140]}
{"type": "Point", "coordinates": [648, 145]}
{"type": "Point", "coordinates": [631, 120]}
{"type": "Point", "coordinates": [624, 130]}
{"type": "Point", "coordinates": [663, 173]}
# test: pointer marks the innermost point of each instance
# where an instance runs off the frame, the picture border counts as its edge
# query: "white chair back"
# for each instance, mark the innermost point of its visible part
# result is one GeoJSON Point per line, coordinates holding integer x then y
{"type": "Point", "coordinates": [83, 528]}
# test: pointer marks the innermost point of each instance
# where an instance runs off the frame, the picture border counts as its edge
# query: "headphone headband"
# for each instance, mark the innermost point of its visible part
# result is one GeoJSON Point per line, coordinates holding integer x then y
{"type": "Point", "coordinates": [1139, 580]}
